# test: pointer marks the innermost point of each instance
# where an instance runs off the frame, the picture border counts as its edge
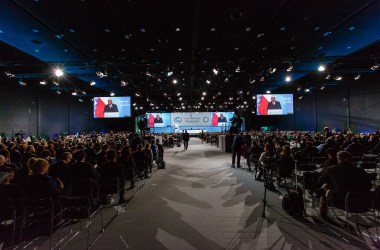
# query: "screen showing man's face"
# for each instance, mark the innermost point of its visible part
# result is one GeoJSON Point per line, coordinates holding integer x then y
{"type": "Point", "coordinates": [273, 99]}
{"type": "Point", "coordinates": [109, 102]}
{"type": "Point", "coordinates": [157, 116]}
{"type": "Point", "coordinates": [221, 115]}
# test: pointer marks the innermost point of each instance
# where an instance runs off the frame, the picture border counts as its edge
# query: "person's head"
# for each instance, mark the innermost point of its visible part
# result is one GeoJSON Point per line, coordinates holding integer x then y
{"type": "Point", "coordinates": [221, 116]}
{"type": "Point", "coordinates": [139, 147]}
{"type": "Point", "coordinates": [109, 102]}
{"type": "Point", "coordinates": [67, 157]}
{"type": "Point", "coordinates": [6, 155]}
{"type": "Point", "coordinates": [41, 166]}
{"type": "Point", "coordinates": [80, 155]}
{"type": "Point", "coordinates": [331, 152]}
{"type": "Point", "coordinates": [157, 141]}
{"type": "Point", "coordinates": [5, 178]}
{"type": "Point", "coordinates": [344, 157]}
{"type": "Point", "coordinates": [30, 164]}
{"type": "Point", "coordinates": [286, 150]}
{"type": "Point", "coordinates": [111, 155]}
{"type": "Point", "coordinates": [157, 116]}
{"type": "Point", "coordinates": [273, 99]}
{"type": "Point", "coordinates": [147, 146]}
{"type": "Point", "coordinates": [46, 154]}
{"type": "Point", "coordinates": [2, 160]}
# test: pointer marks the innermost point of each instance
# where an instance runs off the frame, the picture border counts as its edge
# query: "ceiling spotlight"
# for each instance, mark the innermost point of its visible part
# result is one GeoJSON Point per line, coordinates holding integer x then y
{"type": "Point", "coordinates": [92, 83]}
{"type": "Point", "coordinates": [101, 74]}
{"type": "Point", "coordinates": [237, 70]}
{"type": "Point", "coordinates": [268, 92]}
{"type": "Point", "coordinates": [272, 70]}
{"type": "Point", "coordinates": [322, 88]}
{"type": "Point", "coordinates": [74, 93]}
{"type": "Point", "coordinates": [375, 67]}
{"type": "Point", "coordinates": [215, 71]}
{"type": "Point", "coordinates": [321, 68]}
{"type": "Point", "coordinates": [169, 73]}
{"type": "Point", "coordinates": [202, 98]}
{"type": "Point", "coordinates": [123, 83]}
{"type": "Point", "coordinates": [56, 83]}
{"type": "Point", "coordinates": [290, 68]}
{"type": "Point", "coordinates": [83, 92]}
{"type": "Point", "coordinates": [253, 97]}
{"type": "Point", "coordinates": [80, 100]}
{"type": "Point", "coordinates": [175, 81]}
{"type": "Point", "coordinates": [22, 83]}
{"type": "Point", "coordinates": [288, 79]}
{"type": "Point", "coordinates": [112, 94]}
{"type": "Point", "coordinates": [59, 92]}
{"type": "Point", "coordinates": [179, 93]}
{"type": "Point", "coordinates": [137, 94]}
{"type": "Point", "coordinates": [180, 98]}
{"type": "Point", "coordinates": [43, 82]}
{"type": "Point", "coordinates": [204, 93]}
{"type": "Point", "coordinates": [328, 77]}
{"type": "Point", "coordinates": [262, 79]}
{"type": "Point", "coordinates": [338, 78]}
{"type": "Point", "coordinates": [226, 80]}
{"type": "Point", "coordinates": [300, 97]}
{"type": "Point", "coordinates": [208, 81]}
{"type": "Point", "coordinates": [178, 29]}
{"type": "Point", "coordinates": [299, 89]}
{"type": "Point", "coordinates": [58, 72]}
{"type": "Point", "coordinates": [252, 80]}
{"type": "Point", "coordinates": [9, 74]}
{"type": "Point", "coordinates": [307, 90]}
{"type": "Point", "coordinates": [357, 77]}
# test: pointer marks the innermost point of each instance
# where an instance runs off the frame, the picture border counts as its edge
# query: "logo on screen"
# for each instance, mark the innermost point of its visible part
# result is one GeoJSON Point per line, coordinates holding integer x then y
{"type": "Point", "coordinates": [177, 119]}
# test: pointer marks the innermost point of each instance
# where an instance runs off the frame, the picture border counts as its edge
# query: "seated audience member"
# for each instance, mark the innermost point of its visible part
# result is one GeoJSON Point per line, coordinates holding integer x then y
{"type": "Point", "coordinates": [113, 169]}
{"type": "Point", "coordinates": [129, 166]}
{"type": "Point", "coordinates": [340, 179]}
{"type": "Point", "coordinates": [140, 161]}
{"type": "Point", "coordinates": [6, 178]}
{"type": "Point", "coordinates": [81, 169]}
{"type": "Point", "coordinates": [7, 164]}
{"type": "Point", "coordinates": [285, 156]}
{"type": "Point", "coordinates": [331, 159]}
{"type": "Point", "coordinates": [25, 171]}
{"type": "Point", "coordinates": [60, 169]}
{"type": "Point", "coordinates": [91, 153]}
{"type": "Point", "coordinates": [40, 184]}
{"type": "Point", "coordinates": [329, 143]}
{"type": "Point", "coordinates": [266, 158]}
{"type": "Point", "coordinates": [46, 154]}
{"type": "Point", "coordinates": [101, 156]}
{"type": "Point", "coordinates": [354, 147]}
{"type": "Point", "coordinates": [149, 156]}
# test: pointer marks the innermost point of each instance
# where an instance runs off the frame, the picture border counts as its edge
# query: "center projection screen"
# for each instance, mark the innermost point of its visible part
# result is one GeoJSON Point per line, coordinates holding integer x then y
{"type": "Point", "coordinates": [112, 107]}
{"type": "Point", "coordinates": [274, 104]}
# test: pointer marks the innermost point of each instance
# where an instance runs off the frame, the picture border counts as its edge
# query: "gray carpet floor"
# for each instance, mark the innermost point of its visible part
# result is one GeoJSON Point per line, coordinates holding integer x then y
{"type": "Point", "coordinates": [200, 202]}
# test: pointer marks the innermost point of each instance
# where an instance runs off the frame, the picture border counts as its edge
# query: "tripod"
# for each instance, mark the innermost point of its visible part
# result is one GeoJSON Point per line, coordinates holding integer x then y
{"type": "Point", "coordinates": [268, 162]}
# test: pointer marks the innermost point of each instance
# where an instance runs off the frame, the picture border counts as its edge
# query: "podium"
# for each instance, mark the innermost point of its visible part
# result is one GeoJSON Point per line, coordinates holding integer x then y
{"type": "Point", "coordinates": [274, 111]}
{"type": "Point", "coordinates": [111, 114]}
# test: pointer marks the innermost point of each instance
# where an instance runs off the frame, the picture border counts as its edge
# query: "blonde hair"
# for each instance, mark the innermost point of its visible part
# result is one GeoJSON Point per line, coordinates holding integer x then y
{"type": "Point", "coordinates": [41, 166]}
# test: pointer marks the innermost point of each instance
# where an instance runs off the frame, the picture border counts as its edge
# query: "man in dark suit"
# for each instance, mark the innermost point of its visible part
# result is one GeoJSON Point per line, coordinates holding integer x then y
{"type": "Point", "coordinates": [273, 104]}
{"type": "Point", "coordinates": [185, 138]}
{"type": "Point", "coordinates": [237, 149]}
{"type": "Point", "coordinates": [110, 107]}
{"type": "Point", "coordinates": [340, 179]}
{"type": "Point", "coordinates": [221, 118]}
{"type": "Point", "coordinates": [158, 119]}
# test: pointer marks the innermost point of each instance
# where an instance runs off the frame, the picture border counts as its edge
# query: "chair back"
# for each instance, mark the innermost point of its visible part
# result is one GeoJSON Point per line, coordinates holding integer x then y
{"type": "Point", "coordinates": [7, 209]}
{"type": "Point", "coordinates": [318, 160]}
{"type": "Point", "coordinates": [356, 202]}
{"type": "Point", "coordinates": [109, 186]}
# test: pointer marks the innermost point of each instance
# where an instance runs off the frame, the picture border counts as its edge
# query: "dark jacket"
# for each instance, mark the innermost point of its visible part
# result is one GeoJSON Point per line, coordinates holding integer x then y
{"type": "Point", "coordinates": [41, 186]}
{"type": "Point", "coordinates": [238, 142]}
{"type": "Point", "coordinates": [83, 170]}
{"type": "Point", "coordinates": [344, 178]}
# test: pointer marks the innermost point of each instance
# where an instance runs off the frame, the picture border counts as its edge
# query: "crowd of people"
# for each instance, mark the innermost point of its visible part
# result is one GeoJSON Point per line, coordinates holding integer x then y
{"type": "Point", "coordinates": [48, 168]}
{"type": "Point", "coordinates": [337, 174]}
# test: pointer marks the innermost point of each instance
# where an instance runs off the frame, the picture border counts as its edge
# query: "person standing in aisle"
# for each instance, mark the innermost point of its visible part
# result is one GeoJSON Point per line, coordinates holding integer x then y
{"type": "Point", "coordinates": [237, 149]}
{"type": "Point", "coordinates": [185, 138]}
